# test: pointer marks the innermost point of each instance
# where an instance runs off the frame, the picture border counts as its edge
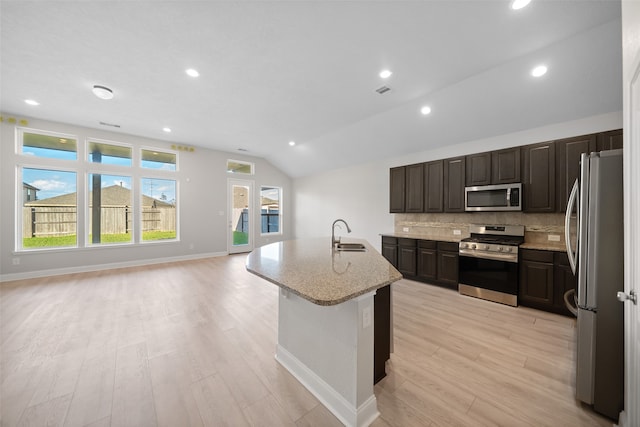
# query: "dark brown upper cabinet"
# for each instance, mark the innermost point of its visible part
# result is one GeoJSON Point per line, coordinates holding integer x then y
{"type": "Point", "coordinates": [568, 152]}
{"type": "Point", "coordinates": [495, 167]}
{"type": "Point", "coordinates": [539, 177]}
{"type": "Point", "coordinates": [396, 189]}
{"type": "Point", "coordinates": [434, 186]}
{"type": "Point", "coordinates": [454, 182]}
{"type": "Point", "coordinates": [611, 140]}
{"type": "Point", "coordinates": [505, 166]}
{"type": "Point", "coordinates": [414, 188]}
{"type": "Point", "coordinates": [478, 169]}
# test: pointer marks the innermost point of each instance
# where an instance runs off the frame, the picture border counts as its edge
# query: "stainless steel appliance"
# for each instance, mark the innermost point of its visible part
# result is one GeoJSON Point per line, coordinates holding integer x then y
{"type": "Point", "coordinates": [598, 260]}
{"type": "Point", "coordinates": [501, 197]}
{"type": "Point", "coordinates": [488, 263]}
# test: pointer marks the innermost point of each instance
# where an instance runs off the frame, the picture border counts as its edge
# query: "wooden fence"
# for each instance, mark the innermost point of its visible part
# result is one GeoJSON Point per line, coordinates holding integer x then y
{"type": "Point", "coordinates": [41, 221]}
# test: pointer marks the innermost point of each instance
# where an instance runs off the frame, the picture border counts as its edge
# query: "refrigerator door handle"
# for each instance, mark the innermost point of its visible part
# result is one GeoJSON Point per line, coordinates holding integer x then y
{"type": "Point", "coordinates": [571, 203]}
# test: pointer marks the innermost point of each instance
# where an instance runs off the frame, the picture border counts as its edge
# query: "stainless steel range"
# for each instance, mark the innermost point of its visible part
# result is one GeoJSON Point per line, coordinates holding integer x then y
{"type": "Point", "coordinates": [488, 264]}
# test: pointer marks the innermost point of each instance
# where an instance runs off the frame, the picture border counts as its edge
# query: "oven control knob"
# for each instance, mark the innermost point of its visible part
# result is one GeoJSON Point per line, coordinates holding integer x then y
{"type": "Point", "coordinates": [473, 246]}
{"type": "Point", "coordinates": [507, 249]}
{"type": "Point", "coordinates": [485, 247]}
{"type": "Point", "coordinates": [500, 248]}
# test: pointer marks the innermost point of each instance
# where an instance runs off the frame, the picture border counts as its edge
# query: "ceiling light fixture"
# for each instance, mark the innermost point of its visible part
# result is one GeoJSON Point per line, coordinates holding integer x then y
{"type": "Point", "coordinates": [539, 71]}
{"type": "Point", "coordinates": [385, 74]}
{"type": "Point", "coordinates": [31, 102]}
{"type": "Point", "coordinates": [102, 92]}
{"type": "Point", "coordinates": [192, 73]}
{"type": "Point", "coordinates": [167, 130]}
{"type": "Point", "coordinates": [519, 4]}
{"type": "Point", "coordinates": [425, 110]}
{"type": "Point", "coordinates": [292, 143]}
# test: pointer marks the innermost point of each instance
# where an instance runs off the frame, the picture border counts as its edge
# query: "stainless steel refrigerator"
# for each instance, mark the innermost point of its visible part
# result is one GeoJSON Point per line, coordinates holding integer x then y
{"type": "Point", "coordinates": [596, 255]}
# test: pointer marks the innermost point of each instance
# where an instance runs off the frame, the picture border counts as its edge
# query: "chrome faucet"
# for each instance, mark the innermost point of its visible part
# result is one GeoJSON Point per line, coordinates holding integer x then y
{"type": "Point", "coordinates": [335, 242]}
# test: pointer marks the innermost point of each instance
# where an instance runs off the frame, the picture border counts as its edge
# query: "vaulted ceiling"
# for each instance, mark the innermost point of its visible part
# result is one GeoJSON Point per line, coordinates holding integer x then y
{"type": "Point", "coordinates": [307, 71]}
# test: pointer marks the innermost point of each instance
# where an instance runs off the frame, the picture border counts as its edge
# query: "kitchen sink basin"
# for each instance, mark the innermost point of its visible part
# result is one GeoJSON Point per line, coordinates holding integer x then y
{"type": "Point", "coordinates": [354, 247]}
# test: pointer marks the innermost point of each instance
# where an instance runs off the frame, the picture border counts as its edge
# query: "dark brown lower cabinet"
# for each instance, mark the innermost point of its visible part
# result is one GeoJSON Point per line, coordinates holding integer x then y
{"type": "Point", "coordinates": [381, 331]}
{"type": "Point", "coordinates": [390, 249]}
{"type": "Point", "coordinates": [448, 264]}
{"type": "Point", "coordinates": [427, 260]}
{"type": "Point", "coordinates": [544, 278]}
{"type": "Point", "coordinates": [407, 262]}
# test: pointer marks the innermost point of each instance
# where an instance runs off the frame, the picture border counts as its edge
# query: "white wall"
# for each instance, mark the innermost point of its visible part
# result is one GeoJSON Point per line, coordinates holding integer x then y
{"type": "Point", "coordinates": [202, 195]}
{"type": "Point", "coordinates": [360, 194]}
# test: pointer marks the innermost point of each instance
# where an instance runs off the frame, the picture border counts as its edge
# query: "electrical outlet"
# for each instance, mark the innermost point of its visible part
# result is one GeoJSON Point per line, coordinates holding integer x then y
{"type": "Point", "coordinates": [16, 261]}
{"type": "Point", "coordinates": [405, 229]}
{"type": "Point", "coordinates": [554, 238]}
{"type": "Point", "coordinates": [457, 232]}
{"type": "Point", "coordinates": [366, 317]}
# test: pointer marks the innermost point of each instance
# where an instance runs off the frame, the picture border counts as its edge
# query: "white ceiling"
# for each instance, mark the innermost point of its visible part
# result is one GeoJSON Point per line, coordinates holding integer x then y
{"type": "Point", "coordinates": [275, 71]}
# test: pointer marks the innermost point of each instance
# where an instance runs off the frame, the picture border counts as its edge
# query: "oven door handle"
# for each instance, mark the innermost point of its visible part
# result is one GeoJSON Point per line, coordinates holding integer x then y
{"type": "Point", "coordinates": [496, 257]}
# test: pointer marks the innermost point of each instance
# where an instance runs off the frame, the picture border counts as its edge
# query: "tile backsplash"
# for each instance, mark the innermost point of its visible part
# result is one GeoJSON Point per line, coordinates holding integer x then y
{"type": "Point", "coordinates": [539, 228]}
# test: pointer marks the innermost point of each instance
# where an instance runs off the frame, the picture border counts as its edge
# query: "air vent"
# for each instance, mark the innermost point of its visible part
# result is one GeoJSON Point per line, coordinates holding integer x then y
{"type": "Point", "coordinates": [383, 89]}
{"type": "Point", "coordinates": [109, 124]}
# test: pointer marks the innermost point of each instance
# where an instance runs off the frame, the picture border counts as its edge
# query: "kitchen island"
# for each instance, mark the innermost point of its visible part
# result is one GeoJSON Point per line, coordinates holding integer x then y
{"type": "Point", "coordinates": [326, 319]}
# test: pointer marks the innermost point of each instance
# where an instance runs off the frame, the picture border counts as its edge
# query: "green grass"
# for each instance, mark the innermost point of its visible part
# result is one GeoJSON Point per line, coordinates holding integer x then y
{"type": "Point", "coordinates": [64, 241]}
{"type": "Point", "coordinates": [240, 238]}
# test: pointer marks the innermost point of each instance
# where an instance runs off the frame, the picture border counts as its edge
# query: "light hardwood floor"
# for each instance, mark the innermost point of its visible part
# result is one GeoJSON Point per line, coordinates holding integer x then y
{"type": "Point", "coordinates": [193, 343]}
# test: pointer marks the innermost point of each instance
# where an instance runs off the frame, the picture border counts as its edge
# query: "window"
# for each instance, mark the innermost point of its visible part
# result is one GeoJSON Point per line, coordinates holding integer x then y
{"type": "Point", "coordinates": [270, 208]}
{"type": "Point", "coordinates": [49, 208]}
{"type": "Point", "coordinates": [110, 209]}
{"type": "Point", "coordinates": [54, 146]}
{"type": "Point", "coordinates": [240, 167]}
{"type": "Point", "coordinates": [158, 209]}
{"type": "Point", "coordinates": [152, 159]}
{"type": "Point", "coordinates": [108, 153]}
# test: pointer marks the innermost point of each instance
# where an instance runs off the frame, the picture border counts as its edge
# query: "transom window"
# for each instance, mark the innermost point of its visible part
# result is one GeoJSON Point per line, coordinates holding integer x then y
{"type": "Point", "coordinates": [54, 146]}
{"type": "Point", "coordinates": [240, 167]}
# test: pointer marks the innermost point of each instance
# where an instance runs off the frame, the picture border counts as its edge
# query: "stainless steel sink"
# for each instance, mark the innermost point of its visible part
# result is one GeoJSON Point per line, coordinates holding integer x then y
{"type": "Point", "coordinates": [354, 247]}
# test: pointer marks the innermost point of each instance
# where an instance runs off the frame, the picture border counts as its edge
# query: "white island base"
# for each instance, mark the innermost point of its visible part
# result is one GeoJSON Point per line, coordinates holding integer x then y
{"type": "Point", "coordinates": [329, 349]}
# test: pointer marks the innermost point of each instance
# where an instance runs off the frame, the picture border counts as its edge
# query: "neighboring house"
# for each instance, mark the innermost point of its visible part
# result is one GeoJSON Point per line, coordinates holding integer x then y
{"type": "Point", "coordinates": [29, 193]}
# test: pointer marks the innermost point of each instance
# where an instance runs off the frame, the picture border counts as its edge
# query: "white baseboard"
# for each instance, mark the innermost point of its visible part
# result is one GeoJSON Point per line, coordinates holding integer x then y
{"type": "Point", "coordinates": [348, 414]}
{"type": "Point", "coordinates": [100, 267]}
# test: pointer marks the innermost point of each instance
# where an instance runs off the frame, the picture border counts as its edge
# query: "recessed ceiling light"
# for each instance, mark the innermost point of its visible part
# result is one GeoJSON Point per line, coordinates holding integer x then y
{"type": "Point", "coordinates": [191, 72]}
{"type": "Point", "coordinates": [167, 130]}
{"type": "Point", "coordinates": [385, 74]}
{"type": "Point", "coordinates": [519, 4]}
{"type": "Point", "coordinates": [292, 143]}
{"type": "Point", "coordinates": [425, 110]}
{"type": "Point", "coordinates": [31, 102]}
{"type": "Point", "coordinates": [102, 92]}
{"type": "Point", "coordinates": [540, 70]}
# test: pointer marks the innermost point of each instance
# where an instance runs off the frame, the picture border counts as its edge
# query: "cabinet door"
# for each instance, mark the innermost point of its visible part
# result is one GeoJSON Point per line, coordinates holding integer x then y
{"type": "Point", "coordinates": [505, 166]}
{"type": "Point", "coordinates": [407, 257]}
{"type": "Point", "coordinates": [611, 140]}
{"type": "Point", "coordinates": [433, 186]}
{"type": "Point", "coordinates": [563, 281]}
{"type": "Point", "coordinates": [414, 188]}
{"type": "Point", "coordinates": [536, 284]}
{"type": "Point", "coordinates": [448, 268]}
{"type": "Point", "coordinates": [390, 252]}
{"type": "Point", "coordinates": [478, 169]}
{"type": "Point", "coordinates": [427, 264]}
{"type": "Point", "coordinates": [396, 189]}
{"type": "Point", "coordinates": [568, 152]}
{"type": "Point", "coordinates": [454, 171]}
{"type": "Point", "coordinates": [539, 181]}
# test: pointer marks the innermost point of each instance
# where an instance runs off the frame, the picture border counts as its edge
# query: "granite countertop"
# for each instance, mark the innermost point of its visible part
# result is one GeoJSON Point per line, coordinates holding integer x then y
{"type": "Point", "coordinates": [311, 269]}
{"type": "Point", "coordinates": [551, 246]}
{"type": "Point", "coordinates": [425, 237]}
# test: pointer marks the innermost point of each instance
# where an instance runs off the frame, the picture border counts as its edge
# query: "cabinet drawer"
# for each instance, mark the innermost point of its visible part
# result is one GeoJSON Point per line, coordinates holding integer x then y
{"type": "Point", "coordinates": [448, 246]}
{"type": "Point", "coordinates": [427, 244]}
{"type": "Point", "coordinates": [407, 242]}
{"type": "Point", "coordinates": [534, 255]}
{"type": "Point", "coordinates": [388, 240]}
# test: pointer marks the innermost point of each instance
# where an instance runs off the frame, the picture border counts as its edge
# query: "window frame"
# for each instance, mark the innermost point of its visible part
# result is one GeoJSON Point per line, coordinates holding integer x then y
{"type": "Point", "coordinates": [280, 219]}
{"type": "Point", "coordinates": [19, 148]}
{"type": "Point", "coordinates": [108, 142]}
{"type": "Point", "coordinates": [252, 167]}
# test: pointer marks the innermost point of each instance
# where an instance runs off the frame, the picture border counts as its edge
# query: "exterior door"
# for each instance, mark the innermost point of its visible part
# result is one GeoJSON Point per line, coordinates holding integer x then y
{"type": "Point", "coordinates": [240, 216]}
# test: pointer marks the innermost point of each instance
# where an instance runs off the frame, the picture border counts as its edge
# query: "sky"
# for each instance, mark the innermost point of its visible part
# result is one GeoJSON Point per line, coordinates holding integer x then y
{"type": "Point", "coordinates": [51, 183]}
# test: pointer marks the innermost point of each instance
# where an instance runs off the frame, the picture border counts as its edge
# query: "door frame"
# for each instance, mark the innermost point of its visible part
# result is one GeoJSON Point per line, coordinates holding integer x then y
{"type": "Point", "coordinates": [231, 182]}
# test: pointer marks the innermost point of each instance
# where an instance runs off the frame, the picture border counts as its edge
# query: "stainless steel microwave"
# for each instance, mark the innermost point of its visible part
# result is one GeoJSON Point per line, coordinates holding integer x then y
{"type": "Point", "coordinates": [501, 197]}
